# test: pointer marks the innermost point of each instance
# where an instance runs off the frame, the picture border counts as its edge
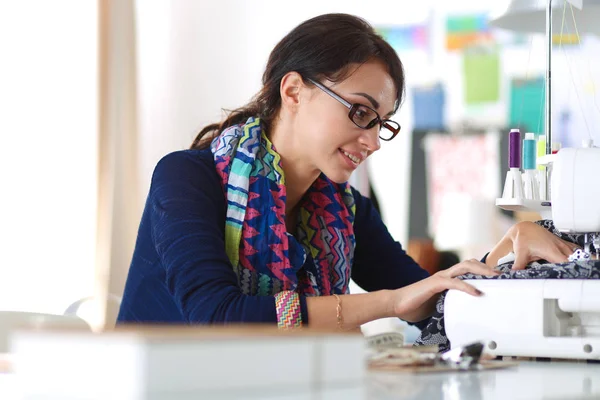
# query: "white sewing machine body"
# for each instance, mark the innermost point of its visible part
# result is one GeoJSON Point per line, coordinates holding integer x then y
{"type": "Point", "coordinates": [529, 317]}
{"type": "Point", "coordinates": [575, 190]}
{"type": "Point", "coordinates": [541, 317]}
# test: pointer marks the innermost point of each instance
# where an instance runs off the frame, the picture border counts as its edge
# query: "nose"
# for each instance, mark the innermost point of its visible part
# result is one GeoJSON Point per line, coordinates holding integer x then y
{"type": "Point", "coordinates": [369, 138]}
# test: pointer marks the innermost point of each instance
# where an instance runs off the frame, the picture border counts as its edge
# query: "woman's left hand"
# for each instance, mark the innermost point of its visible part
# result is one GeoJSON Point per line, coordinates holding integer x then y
{"type": "Point", "coordinates": [531, 242]}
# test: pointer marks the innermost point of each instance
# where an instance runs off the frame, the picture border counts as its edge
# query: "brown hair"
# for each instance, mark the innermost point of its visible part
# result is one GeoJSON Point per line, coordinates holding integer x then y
{"type": "Point", "coordinates": [321, 47]}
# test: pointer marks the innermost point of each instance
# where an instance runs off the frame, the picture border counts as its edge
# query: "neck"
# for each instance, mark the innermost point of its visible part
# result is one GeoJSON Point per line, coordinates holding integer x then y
{"type": "Point", "coordinates": [299, 174]}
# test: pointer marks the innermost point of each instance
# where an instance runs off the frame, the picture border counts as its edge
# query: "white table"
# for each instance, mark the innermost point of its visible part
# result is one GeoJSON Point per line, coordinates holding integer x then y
{"type": "Point", "coordinates": [529, 380]}
{"type": "Point", "coordinates": [8, 387]}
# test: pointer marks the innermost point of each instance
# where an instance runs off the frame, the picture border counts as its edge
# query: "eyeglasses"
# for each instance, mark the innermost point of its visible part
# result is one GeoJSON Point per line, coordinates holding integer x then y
{"type": "Point", "coordinates": [364, 117]}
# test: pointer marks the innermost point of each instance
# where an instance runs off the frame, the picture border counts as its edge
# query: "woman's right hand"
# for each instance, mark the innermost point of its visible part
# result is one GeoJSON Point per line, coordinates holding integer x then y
{"type": "Point", "coordinates": [416, 302]}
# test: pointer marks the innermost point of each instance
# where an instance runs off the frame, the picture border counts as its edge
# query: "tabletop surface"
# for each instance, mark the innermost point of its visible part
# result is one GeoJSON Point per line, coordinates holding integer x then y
{"type": "Point", "coordinates": [528, 380]}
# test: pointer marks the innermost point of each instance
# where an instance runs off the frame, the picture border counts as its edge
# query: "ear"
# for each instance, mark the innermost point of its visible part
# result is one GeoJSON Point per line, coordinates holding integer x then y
{"type": "Point", "coordinates": [290, 90]}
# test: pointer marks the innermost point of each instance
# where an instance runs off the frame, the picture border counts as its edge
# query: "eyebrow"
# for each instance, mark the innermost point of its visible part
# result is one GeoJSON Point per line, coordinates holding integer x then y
{"type": "Point", "coordinates": [374, 102]}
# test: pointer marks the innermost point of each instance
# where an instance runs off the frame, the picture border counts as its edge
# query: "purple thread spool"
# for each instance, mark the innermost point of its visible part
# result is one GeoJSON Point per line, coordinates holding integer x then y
{"type": "Point", "coordinates": [514, 149]}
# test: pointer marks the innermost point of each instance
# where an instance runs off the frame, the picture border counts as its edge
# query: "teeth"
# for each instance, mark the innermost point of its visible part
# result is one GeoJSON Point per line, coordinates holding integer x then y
{"type": "Point", "coordinates": [352, 157]}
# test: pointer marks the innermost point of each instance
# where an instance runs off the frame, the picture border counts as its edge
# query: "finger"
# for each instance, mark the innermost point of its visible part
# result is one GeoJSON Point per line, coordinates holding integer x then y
{"type": "Point", "coordinates": [555, 255]}
{"type": "Point", "coordinates": [521, 261]}
{"type": "Point", "coordinates": [567, 251]}
{"type": "Point", "coordinates": [472, 266]}
{"type": "Point", "coordinates": [462, 286]}
{"type": "Point", "coordinates": [568, 247]}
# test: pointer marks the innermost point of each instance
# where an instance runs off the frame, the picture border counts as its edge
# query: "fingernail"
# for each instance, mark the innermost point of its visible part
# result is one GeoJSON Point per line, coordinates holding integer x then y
{"type": "Point", "coordinates": [479, 292]}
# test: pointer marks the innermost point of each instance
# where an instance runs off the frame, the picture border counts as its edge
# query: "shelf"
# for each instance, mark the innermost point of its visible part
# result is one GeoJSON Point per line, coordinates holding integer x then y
{"type": "Point", "coordinates": [542, 207]}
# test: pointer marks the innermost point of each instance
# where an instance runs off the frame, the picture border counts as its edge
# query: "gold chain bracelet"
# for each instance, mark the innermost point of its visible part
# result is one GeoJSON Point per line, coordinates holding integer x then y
{"type": "Point", "coordinates": [338, 310]}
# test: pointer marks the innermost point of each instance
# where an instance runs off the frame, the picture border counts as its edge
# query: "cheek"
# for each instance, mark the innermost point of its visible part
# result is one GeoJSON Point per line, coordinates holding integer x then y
{"type": "Point", "coordinates": [327, 115]}
{"type": "Point", "coordinates": [325, 130]}
{"type": "Point", "coordinates": [324, 139]}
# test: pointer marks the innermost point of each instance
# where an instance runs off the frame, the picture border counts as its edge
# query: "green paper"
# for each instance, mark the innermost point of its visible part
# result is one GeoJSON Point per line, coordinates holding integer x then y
{"type": "Point", "coordinates": [527, 105]}
{"type": "Point", "coordinates": [467, 23]}
{"type": "Point", "coordinates": [482, 77]}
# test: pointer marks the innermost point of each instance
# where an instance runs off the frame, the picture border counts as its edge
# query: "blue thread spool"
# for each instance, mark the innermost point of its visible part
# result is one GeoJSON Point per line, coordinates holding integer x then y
{"type": "Point", "coordinates": [529, 151]}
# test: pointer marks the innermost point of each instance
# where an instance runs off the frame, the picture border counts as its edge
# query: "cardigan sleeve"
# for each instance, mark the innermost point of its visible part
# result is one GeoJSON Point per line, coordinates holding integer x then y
{"type": "Point", "coordinates": [380, 262]}
{"type": "Point", "coordinates": [187, 228]}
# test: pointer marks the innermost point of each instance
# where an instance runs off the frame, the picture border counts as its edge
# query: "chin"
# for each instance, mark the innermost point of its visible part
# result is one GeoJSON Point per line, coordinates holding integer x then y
{"type": "Point", "coordinates": [338, 176]}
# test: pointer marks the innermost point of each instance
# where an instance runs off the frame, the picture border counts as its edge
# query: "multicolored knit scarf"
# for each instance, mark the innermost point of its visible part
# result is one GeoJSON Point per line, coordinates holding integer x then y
{"type": "Point", "coordinates": [267, 260]}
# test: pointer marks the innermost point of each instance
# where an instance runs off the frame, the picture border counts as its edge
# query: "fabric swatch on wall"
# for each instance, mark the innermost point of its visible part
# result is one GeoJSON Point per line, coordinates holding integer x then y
{"type": "Point", "coordinates": [428, 107]}
{"type": "Point", "coordinates": [481, 77]}
{"type": "Point", "coordinates": [465, 30]}
{"type": "Point", "coordinates": [526, 108]}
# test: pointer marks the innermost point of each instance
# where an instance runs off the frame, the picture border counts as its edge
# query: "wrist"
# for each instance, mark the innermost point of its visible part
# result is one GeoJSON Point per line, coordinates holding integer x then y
{"type": "Point", "coordinates": [388, 303]}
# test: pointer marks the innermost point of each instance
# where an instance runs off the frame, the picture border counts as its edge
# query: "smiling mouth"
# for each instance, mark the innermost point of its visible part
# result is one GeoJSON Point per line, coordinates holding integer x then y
{"type": "Point", "coordinates": [353, 158]}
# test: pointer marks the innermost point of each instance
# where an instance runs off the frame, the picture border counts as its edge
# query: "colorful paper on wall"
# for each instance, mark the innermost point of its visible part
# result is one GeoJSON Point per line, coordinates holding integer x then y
{"type": "Point", "coordinates": [406, 37]}
{"type": "Point", "coordinates": [507, 39]}
{"type": "Point", "coordinates": [463, 31]}
{"type": "Point", "coordinates": [481, 77]}
{"type": "Point", "coordinates": [428, 107]}
{"type": "Point", "coordinates": [468, 165]}
{"type": "Point", "coordinates": [527, 105]}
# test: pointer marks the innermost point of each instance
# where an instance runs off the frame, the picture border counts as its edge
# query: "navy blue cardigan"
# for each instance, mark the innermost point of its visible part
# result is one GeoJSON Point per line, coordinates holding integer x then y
{"type": "Point", "coordinates": [180, 272]}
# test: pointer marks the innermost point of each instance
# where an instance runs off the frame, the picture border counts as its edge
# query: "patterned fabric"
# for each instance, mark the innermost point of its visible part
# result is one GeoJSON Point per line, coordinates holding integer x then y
{"type": "Point", "coordinates": [287, 306]}
{"type": "Point", "coordinates": [435, 333]}
{"type": "Point", "coordinates": [265, 257]}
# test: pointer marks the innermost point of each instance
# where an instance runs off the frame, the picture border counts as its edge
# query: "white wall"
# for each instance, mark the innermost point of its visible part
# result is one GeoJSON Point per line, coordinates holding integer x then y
{"type": "Point", "coordinates": [48, 133]}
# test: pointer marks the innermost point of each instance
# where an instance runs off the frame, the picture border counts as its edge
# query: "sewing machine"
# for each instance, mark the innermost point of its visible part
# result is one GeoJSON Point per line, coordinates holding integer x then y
{"type": "Point", "coordinates": [546, 317]}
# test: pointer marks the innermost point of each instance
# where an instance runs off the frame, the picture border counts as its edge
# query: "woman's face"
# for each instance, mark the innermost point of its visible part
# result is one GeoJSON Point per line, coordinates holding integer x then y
{"type": "Point", "coordinates": [333, 143]}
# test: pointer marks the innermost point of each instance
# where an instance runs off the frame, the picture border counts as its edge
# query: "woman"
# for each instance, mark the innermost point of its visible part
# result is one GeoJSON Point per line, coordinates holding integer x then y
{"type": "Point", "coordinates": [257, 223]}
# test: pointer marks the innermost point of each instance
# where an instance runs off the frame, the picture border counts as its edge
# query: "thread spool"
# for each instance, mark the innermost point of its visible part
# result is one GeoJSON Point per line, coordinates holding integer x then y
{"type": "Point", "coordinates": [541, 151]}
{"type": "Point", "coordinates": [530, 183]}
{"type": "Point", "coordinates": [514, 149]}
{"type": "Point", "coordinates": [529, 151]}
{"type": "Point", "coordinates": [513, 185]}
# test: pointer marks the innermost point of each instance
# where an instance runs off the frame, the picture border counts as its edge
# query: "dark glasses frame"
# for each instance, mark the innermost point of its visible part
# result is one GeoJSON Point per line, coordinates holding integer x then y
{"type": "Point", "coordinates": [390, 125]}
